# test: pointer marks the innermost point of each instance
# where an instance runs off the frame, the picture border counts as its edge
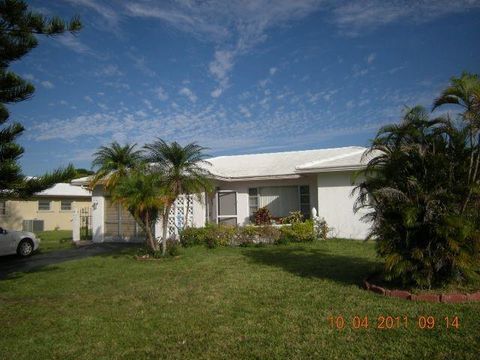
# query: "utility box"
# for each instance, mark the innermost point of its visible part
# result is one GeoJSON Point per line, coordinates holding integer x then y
{"type": "Point", "coordinates": [33, 225]}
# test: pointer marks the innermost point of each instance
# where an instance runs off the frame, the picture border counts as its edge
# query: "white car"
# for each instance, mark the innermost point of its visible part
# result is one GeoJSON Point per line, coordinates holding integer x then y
{"type": "Point", "coordinates": [22, 243]}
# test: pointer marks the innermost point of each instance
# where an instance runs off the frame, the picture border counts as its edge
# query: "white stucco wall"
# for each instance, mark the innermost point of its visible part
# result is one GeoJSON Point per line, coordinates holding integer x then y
{"type": "Point", "coordinates": [335, 204]}
{"type": "Point", "coordinates": [199, 217]}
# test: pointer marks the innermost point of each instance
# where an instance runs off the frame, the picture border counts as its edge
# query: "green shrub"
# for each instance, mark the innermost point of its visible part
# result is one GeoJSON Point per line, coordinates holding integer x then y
{"type": "Point", "coordinates": [219, 235]}
{"type": "Point", "coordinates": [321, 228]}
{"type": "Point", "coordinates": [416, 192]}
{"type": "Point", "coordinates": [268, 234]}
{"type": "Point", "coordinates": [292, 218]}
{"type": "Point", "coordinates": [246, 235]}
{"type": "Point", "coordinates": [193, 236]}
{"type": "Point", "coordinates": [173, 247]}
{"type": "Point", "coordinates": [297, 232]}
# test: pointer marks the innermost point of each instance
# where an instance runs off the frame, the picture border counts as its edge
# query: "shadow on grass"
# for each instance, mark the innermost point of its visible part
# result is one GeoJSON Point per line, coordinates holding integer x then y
{"type": "Point", "coordinates": [315, 263]}
{"type": "Point", "coordinates": [12, 267]}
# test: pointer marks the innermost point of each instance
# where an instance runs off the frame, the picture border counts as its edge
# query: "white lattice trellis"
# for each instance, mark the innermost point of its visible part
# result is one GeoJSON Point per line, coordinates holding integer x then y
{"type": "Point", "coordinates": [183, 207]}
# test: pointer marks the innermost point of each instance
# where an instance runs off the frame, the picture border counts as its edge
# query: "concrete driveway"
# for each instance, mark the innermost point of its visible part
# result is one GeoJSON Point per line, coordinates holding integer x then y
{"type": "Point", "coordinates": [12, 264]}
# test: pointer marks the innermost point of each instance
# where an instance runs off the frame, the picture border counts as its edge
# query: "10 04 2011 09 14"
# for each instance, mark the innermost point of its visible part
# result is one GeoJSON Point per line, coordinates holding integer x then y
{"type": "Point", "coordinates": [388, 322]}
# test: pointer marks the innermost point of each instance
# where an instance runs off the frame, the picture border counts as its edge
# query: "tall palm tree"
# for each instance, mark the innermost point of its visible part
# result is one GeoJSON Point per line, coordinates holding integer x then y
{"type": "Point", "coordinates": [464, 91]}
{"type": "Point", "coordinates": [183, 170]}
{"type": "Point", "coordinates": [141, 193]}
{"type": "Point", "coordinates": [113, 162]}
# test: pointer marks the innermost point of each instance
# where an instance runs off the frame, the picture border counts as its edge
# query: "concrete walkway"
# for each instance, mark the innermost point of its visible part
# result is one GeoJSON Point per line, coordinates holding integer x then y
{"type": "Point", "coordinates": [12, 264]}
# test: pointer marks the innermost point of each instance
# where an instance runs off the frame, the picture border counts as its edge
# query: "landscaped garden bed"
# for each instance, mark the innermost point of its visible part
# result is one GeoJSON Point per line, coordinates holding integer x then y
{"type": "Point", "coordinates": [451, 297]}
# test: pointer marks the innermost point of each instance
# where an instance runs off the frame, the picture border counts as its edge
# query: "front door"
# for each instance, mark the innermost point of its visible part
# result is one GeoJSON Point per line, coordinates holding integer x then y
{"type": "Point", "coordinates": [227, 207]}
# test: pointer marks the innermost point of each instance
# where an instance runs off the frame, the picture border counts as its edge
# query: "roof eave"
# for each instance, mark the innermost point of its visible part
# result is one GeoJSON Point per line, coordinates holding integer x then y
{"type": "Point", "coordinates": [256, 178]}
{"type": "Point", "coordinates": [331, 169]}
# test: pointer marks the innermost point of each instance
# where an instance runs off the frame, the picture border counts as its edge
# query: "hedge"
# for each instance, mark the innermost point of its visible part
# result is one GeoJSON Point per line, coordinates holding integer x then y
{"type": "Point", "coordinates": [214, 235]}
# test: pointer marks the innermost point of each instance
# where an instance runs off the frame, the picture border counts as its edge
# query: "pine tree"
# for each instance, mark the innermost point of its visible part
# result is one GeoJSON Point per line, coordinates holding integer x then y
{"type": "Point", "coordinates": [19, 29]}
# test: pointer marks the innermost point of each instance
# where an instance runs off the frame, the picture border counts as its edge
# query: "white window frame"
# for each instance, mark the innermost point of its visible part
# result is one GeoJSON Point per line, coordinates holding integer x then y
{"type": "Point", "coordinates": [49, 205]}
{"type": "Point", "coordinates": [70, 203]}
{"type": "Point", "coordinates": [250, 204]}
{"type": "Point", "coordinates": [300, 203]}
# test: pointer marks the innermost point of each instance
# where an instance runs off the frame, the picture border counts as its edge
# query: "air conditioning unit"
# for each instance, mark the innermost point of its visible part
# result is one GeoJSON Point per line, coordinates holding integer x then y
{"type": "Point", "coordinates": [33, 225]}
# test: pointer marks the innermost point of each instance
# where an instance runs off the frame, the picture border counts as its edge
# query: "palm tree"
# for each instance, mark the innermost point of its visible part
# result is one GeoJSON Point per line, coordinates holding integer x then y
{"type": "Point", "coordinates": [183, 169]}
{"type": "Point", "coordinates": [113, 162]}
{"type": "Point", "coordinates": [465, 92]}
{"type": "Point", "coordinates": [141, 193]}
{"type": "Point", "coordinates": [413, 187]}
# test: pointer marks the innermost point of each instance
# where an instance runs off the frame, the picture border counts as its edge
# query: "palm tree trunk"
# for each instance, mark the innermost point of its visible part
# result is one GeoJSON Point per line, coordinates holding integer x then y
{"type": "Point", "coordinates": [474, 175]}
{"type": "Point", "coordinates": [185, 220]}
{"type": "Point", "coordinates": [166, 212]}
{"type": "Point", "coordinates": [472, 157]}
{"type": "Point", "coordinates": [148, 232]}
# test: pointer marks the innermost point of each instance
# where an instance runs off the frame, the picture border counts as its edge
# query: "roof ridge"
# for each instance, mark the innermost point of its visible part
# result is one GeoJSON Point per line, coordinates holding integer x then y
{"type": "Point", "coordinates": [290, 151]}
{"type": "Point", "coordinates": [333, 158]}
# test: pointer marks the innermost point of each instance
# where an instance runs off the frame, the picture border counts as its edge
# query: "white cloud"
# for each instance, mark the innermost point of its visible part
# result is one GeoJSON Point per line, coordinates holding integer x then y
{"type": "Point", "coordinates": [30, 77]}
{"type": "Point", "coordinates": [72, 42]}
{"type": "Point", "coordinates": [244, 110]}
{"type": "Point", "coordinates": [185, 17]}
{"type": "Point", "coordinates": [370, 58]}
{"type": "Point", "coordinates": [236, 27]}
{"type": "Point", "coordinates": [219, 68]}
{"type": "Point", "coordinates": [216, 92]}
{"type": "Point", "coordinates": [111, 16]}
{"type": "Point", "coordinates": [395, 69]}
{"type": "Point", "coordinates": [161, 93]}
{"type": "Point", "coordinates": [264, 82]}
{"type": "Point", "coordinates": [109, 70]}
{"type": "Point", "coordinates": [102, 106]}
{"type": "Point", "coordinates": [185, 91]}
{"type": "Point", "coordinates": [354, 17]}
{"type": "Point", "coordinates": [140, 63]}
{"type": "Point", "coordinates": [273, 70]}
{"type": "Point", "coordinates": [47, 84]}
{"type": "Point", "coordinates": [88, 98]}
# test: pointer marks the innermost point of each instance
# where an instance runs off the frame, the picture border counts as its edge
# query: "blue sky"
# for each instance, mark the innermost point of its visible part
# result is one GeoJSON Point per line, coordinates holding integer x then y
{"type": "Point", "coordinates": [237, 76]}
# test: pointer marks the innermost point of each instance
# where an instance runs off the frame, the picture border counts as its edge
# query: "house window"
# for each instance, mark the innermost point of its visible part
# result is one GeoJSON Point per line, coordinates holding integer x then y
{"type": "Point", "coordinates": [252, 202]}
{"type": "Point", "coordinates": [304, 193]}
{"type": "Point", "coordinates": [280, 200]}
{"type": "Point", "coordinates": [3, 207]}
{"type": "Point", "coordinates": [66, 205]}
{"type": "Point", "coordinates": [43, 205]}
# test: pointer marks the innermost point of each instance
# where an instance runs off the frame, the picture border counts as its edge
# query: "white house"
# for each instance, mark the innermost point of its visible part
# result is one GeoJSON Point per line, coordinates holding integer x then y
{"type": "Point", "coordinates": [283, 182]}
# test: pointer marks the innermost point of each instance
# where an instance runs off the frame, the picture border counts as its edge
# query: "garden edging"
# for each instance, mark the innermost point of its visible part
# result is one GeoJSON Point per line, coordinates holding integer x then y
{"type": "Point", "coordinates": [436, 298]}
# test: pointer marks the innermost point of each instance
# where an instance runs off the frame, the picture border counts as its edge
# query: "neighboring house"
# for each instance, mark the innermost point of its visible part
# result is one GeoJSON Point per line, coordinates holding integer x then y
{"type": "Point", "coordinates": [53, 207]}
{"type": "Point", "coordinates": [283, 182]}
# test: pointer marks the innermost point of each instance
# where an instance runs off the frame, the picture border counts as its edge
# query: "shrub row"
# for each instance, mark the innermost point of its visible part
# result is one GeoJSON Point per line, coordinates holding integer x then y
{"type": "Point", "coordinates": [214, 235]}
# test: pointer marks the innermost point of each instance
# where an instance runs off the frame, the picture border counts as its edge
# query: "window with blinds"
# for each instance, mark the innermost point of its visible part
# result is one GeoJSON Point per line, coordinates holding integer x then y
{"type": "Point", "coordinates": [43, 205]}
{"type": "Point", "coordinates": [280, 200]}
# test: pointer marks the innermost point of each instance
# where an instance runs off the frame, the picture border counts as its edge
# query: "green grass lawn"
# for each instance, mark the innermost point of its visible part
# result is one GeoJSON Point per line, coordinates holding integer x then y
{"type": "Point", "coordinates": [55, 240]}
{"type": "Point", "coordinates": [257, 303]}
